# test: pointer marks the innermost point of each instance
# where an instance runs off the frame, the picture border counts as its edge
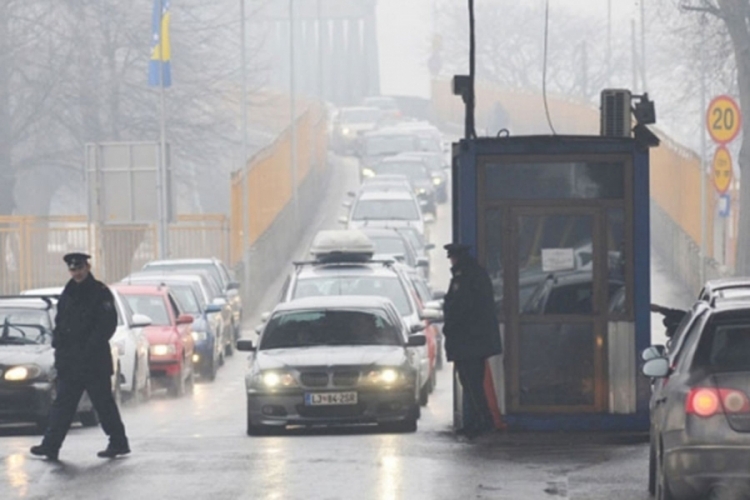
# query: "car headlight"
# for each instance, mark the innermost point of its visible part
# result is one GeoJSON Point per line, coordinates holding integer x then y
{"type": "Point", "coordinates": [276, 380]}
{"type": "Point", "coordinates": [162, 349]}
{"type": "Point", "coordinates": [21, 373]}
{"type": "Point", "coordinates": [386, 376]}
{"type": "Point", "coordinates": [346, 131]}
{"type": "Point", "coordinates": [437, 181]}
{"type": "Point", "coordinates": [368, 172]}
{"type": "Point", "coordinates": [421, 191]}
{"type": "Point", "coordinates": [199, 336]}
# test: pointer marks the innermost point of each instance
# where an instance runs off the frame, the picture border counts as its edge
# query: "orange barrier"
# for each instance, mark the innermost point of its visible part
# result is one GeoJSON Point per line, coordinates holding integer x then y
{"type": "Point", "coordinates": [675, 170]}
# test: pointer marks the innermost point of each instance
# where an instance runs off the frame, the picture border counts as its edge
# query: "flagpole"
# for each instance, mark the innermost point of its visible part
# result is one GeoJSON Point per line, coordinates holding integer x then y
{"type": "Point", "coordinates": [163, 226]}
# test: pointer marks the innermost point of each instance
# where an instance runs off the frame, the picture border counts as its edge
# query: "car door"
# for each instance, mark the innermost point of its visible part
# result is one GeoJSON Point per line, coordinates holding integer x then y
{"type": "Point", "coordinates": [184, 331]}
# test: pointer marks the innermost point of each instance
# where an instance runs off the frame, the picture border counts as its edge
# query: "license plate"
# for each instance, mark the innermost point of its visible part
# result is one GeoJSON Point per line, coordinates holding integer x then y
{"type": "Point", "coordinates": [330, 398]}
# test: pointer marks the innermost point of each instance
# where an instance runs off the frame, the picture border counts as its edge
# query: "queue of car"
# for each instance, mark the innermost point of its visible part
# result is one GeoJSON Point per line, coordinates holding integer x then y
{"type": "Point", "coordinates": [176, 321]}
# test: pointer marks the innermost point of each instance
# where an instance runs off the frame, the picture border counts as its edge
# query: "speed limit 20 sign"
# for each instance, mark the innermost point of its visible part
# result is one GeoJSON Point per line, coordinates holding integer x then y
{"type": "Point", "coordinates": [724, 119]}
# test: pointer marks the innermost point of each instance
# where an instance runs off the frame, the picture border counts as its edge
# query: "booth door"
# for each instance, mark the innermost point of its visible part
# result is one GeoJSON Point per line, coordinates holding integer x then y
{"type": "Point", "coordinates": [558, 291]}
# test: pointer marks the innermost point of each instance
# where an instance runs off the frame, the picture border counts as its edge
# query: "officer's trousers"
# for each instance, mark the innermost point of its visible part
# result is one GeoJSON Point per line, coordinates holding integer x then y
{"type": "Point", "coordinates": [63, 410]}
{"type": "Point", "coordinates": [471, 374]}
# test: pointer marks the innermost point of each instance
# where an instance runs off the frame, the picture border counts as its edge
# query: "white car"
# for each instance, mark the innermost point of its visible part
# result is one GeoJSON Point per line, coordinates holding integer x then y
{"type": "Point", "coordinates": [391, 209]}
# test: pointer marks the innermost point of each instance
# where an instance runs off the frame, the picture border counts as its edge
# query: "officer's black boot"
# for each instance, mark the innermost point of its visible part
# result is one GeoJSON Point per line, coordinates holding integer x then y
{"type": "Point", "coordinates": [45, 451]}
{"type": "Point", "coordinates": [114, 449]}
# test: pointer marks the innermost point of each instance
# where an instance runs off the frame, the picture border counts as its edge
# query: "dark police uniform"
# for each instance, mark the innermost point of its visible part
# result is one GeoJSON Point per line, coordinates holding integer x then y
{"type": "Point", "coordinates": [472, 333]}
{"type": "Point", "coordinates": [86, 320]}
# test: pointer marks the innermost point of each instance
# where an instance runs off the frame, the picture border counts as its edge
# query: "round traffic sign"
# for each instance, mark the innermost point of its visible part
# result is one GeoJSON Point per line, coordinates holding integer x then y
{"type": "Point", "coordinates": [723, 119]}
{"type": "Point", "coordinates": [722, 169]}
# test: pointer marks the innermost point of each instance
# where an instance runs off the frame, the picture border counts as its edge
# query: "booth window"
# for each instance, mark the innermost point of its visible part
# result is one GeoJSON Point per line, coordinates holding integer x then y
{"type": "Point", "coordinates": [555, 181]}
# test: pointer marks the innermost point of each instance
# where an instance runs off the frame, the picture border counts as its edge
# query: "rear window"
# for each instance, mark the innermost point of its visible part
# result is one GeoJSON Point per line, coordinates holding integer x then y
{"type": "Point", "coordinates": [329, 328]}
{"type": "Point", "coordinates": [386, 210]}
{"type": "Point", "coordinates": [729, 348]}
{"type": "Point", "coordinates": [366, 286]}
{"type": "Point", "coordinates": [212, 270]}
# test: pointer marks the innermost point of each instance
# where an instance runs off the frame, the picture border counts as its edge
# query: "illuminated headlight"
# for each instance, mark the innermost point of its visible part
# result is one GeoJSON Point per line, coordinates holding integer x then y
{"type": "Point", "coordinates": [368, 172]}
{"type": "Point", "coordinates": [437, 181]}
{"type": "Point", "coordinates": [421, 191]}
{"type": "Point", "coordinates": [277, 380]}
{"type": "Point", "coordinates": [162, 350]}
{"type": "Point", "coordinates": [199, 336]}
{"type": "Point", "coordinates": [21, 373]}
{"type": "Point", "coordinates": [387, 376]}
{"type": "Point", "coordinates": [346, 131]}
{"type": "Point", "coordinates": [196, 358]}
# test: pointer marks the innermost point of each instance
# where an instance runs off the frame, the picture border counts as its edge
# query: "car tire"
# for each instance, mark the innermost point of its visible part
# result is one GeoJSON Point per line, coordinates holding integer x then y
{"type": "Point", "coordinates": [424, 394]}
{"type": "Point", "coordinates": [652, 469]}
{"type": "Point", "coordinates": [662, 483]}
{"type": "Point", "coordinates": [145, 393]}
{"type": "Point", "coordinates": [176, 387]}
{"type": "Point", "coordinates": [89, 418]}
{"type": "Point", "coordinates": [209, 372]}
{"type": "Point", "coordinates": [190, 382]}
{"type": "Point", "coordinates": [229, 348]}
{"type": "Point", "coordinates": [433, 380]}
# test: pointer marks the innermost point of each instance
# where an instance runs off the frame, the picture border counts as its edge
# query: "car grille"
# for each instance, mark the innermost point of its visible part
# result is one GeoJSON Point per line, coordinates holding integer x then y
{"type": "Point", "coordinates": [314, 379]}
{"type": "Point", "coordinates": [331, 411]}
{"type": "Point", "coordinates": [345, 379]}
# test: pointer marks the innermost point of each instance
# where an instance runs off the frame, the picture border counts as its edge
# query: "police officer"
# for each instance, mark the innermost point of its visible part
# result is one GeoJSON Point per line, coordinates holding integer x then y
{"type": "Point", "coordinates": [86, 320]}
{"type": "Point", "coordinates": [472, 333]}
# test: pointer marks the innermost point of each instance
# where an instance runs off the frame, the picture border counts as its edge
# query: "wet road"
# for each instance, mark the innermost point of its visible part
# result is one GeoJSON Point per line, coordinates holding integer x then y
{"type": "Point", "coordinates": [196, 447]}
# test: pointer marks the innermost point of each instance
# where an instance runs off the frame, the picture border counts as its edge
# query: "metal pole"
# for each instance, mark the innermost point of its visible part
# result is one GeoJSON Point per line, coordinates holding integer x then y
{"type": "Point", "coordinates": [163, 225]}
{"type": "Point", "coordinates": [644, 81]}
{"type": "Point", "coordinates": [704, 98]}
{"type": "Point", "coordinates": [609, 43]}
{"type": "Point", "coordinates": [321, 93]}
{"type": "Point", "coordinates": [293, 109]}
{"type": "Point", "coordinates": [634, 51]}
{"type": "Point", "coordinates": [244, 104]}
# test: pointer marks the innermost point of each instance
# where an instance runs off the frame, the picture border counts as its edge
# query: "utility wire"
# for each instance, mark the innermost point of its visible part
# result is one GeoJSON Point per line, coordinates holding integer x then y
{"type": "Point", "coordinates": [544, 69]}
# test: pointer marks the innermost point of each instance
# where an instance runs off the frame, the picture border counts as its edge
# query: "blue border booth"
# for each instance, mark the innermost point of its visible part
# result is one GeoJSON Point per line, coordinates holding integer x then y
{"type": "Point", "coordinates": [561, 224]}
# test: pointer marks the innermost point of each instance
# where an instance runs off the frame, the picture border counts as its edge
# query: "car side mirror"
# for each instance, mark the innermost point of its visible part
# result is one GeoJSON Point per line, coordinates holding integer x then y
{"type": "Point", "coordinates": [423, 262]}
{"type": "Point", "coordinates": [417, 340]}
{"type": "Point", "coordinates": [431, 315]}
{"type": "Point", "coordinates": [233, 285]}
{"type": "Point", "coordinates": [653, 352]}
{"type": "Point", "coordinates": [429, 219]}
{"type": "Point", "coordinates": [265, 317]}
{"type": "Point", "coordinates": [656, 368]}
{"type": "Point", "coordinates": [438, 295]}
{"type": "Point", "coordinates": [435, 305]}
{"type": "Point", "coordinates": [245, 345]}
{"type": "Point", "coordinates": [417, 328]}
{"type": "Point", "coordinates": [219, 301]}
{"type": "Point", "coordinates": [141, 321]}
{"type": "Point", "coordinates": [213, 308]}
{"type": "Point", "coordinates": [429, 246]}
{"type": "Point", "coordinates": [184, 319]}
{"type": "Point", "coordinates": [343, 220]}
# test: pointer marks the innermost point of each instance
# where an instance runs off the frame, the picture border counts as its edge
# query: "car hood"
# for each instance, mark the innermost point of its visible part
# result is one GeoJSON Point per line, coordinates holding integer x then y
{"type": "Point", "coordinates": [42, 355]}
{"type": "Point", "coordinates": [160, 334]}
{"type": "Point", "coordinates": [330, 356]}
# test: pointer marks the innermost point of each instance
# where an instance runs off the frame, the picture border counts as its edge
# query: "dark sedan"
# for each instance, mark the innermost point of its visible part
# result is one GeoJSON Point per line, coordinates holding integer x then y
{"type": "Point", "coordinates": [333, 360]}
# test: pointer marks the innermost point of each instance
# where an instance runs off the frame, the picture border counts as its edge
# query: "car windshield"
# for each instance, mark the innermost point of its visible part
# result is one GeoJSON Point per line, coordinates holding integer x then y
{"type": "Point", "coordinates": [389, 287]}
{"type": "Point", "coordinates": [386, 210]}
{"type": "Point", "coordinates": [389, 144]}
{"type": "Point", "coordinates": [391, 246]}
{"type": "Point", "coordinates": [26, 316]}
{"type": "Point", "coordinates": [186, 299]}
{"type": "Point", "coordinates": [430, 143]}
{"type": "Point", "coordinates": [152, 306]}
{"type": "Point", "coordinates": [212, 270]}
{"type": "Point", "coordinates": [415, 171]}
{"type": "Point", "coordinates": [24, 326]}
{"type": "Point", "coordinates": [360, 115]}
{"type": "Point", "coordinates": [413, 236]}
{"type": "Point", "coordinates": [329, 328]}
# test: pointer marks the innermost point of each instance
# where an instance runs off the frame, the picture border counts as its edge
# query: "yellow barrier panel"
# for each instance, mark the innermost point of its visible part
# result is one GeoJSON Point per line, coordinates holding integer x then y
{"type": "Point", "coordinates": [675, 170]}
{"type": "Point", "coordinates": [267, 178]}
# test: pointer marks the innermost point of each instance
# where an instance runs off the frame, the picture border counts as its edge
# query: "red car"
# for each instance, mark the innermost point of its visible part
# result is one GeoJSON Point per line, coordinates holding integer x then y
{"type": "Point", "coordinates": [170, 338]}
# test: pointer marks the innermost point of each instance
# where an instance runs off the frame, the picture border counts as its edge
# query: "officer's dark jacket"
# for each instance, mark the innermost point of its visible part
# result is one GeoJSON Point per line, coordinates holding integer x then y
{"type": "Point", "coordinates": [471, 329]}
{"type": "Point", "coordinates": [86, 320]}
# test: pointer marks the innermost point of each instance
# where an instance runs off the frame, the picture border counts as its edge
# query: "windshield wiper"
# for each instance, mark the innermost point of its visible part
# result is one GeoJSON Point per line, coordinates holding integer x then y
{"type": "Point", "coordinates": [15, 341]}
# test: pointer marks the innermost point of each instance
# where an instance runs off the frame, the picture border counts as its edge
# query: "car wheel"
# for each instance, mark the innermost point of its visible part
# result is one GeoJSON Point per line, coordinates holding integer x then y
{"type": "Point", "coordinates": [652, 469]}
{"type": "Point", "coordinates": [424, 394]}
{"type": "Point", "coordinates": [145, 393]}
{"type": "Point", "coordinates": [229, 348]}
{"type": "Point", "coordinates": [190, 382]}
{"type": "Point", "coordinates": [662, 483]}
{"type": "Point", "coordinates": [176, 386]}
{"type": "Point", "coordinates": [209, 371]}
{"type": "Point", "coordinates": [433, 380]}
{"type": "Point", "coordinates": [89, 418]}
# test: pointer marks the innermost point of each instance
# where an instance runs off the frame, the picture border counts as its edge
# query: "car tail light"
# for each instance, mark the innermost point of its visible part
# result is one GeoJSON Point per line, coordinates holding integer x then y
{"type": "Point", "coordinates": [710, 401]}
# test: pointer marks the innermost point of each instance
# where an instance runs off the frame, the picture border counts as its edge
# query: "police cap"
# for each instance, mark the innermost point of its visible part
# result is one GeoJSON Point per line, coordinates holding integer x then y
{"type": "Point", "coordinates": [76, 260]}
{"type": "Point", "coordinates": [456, 249]}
